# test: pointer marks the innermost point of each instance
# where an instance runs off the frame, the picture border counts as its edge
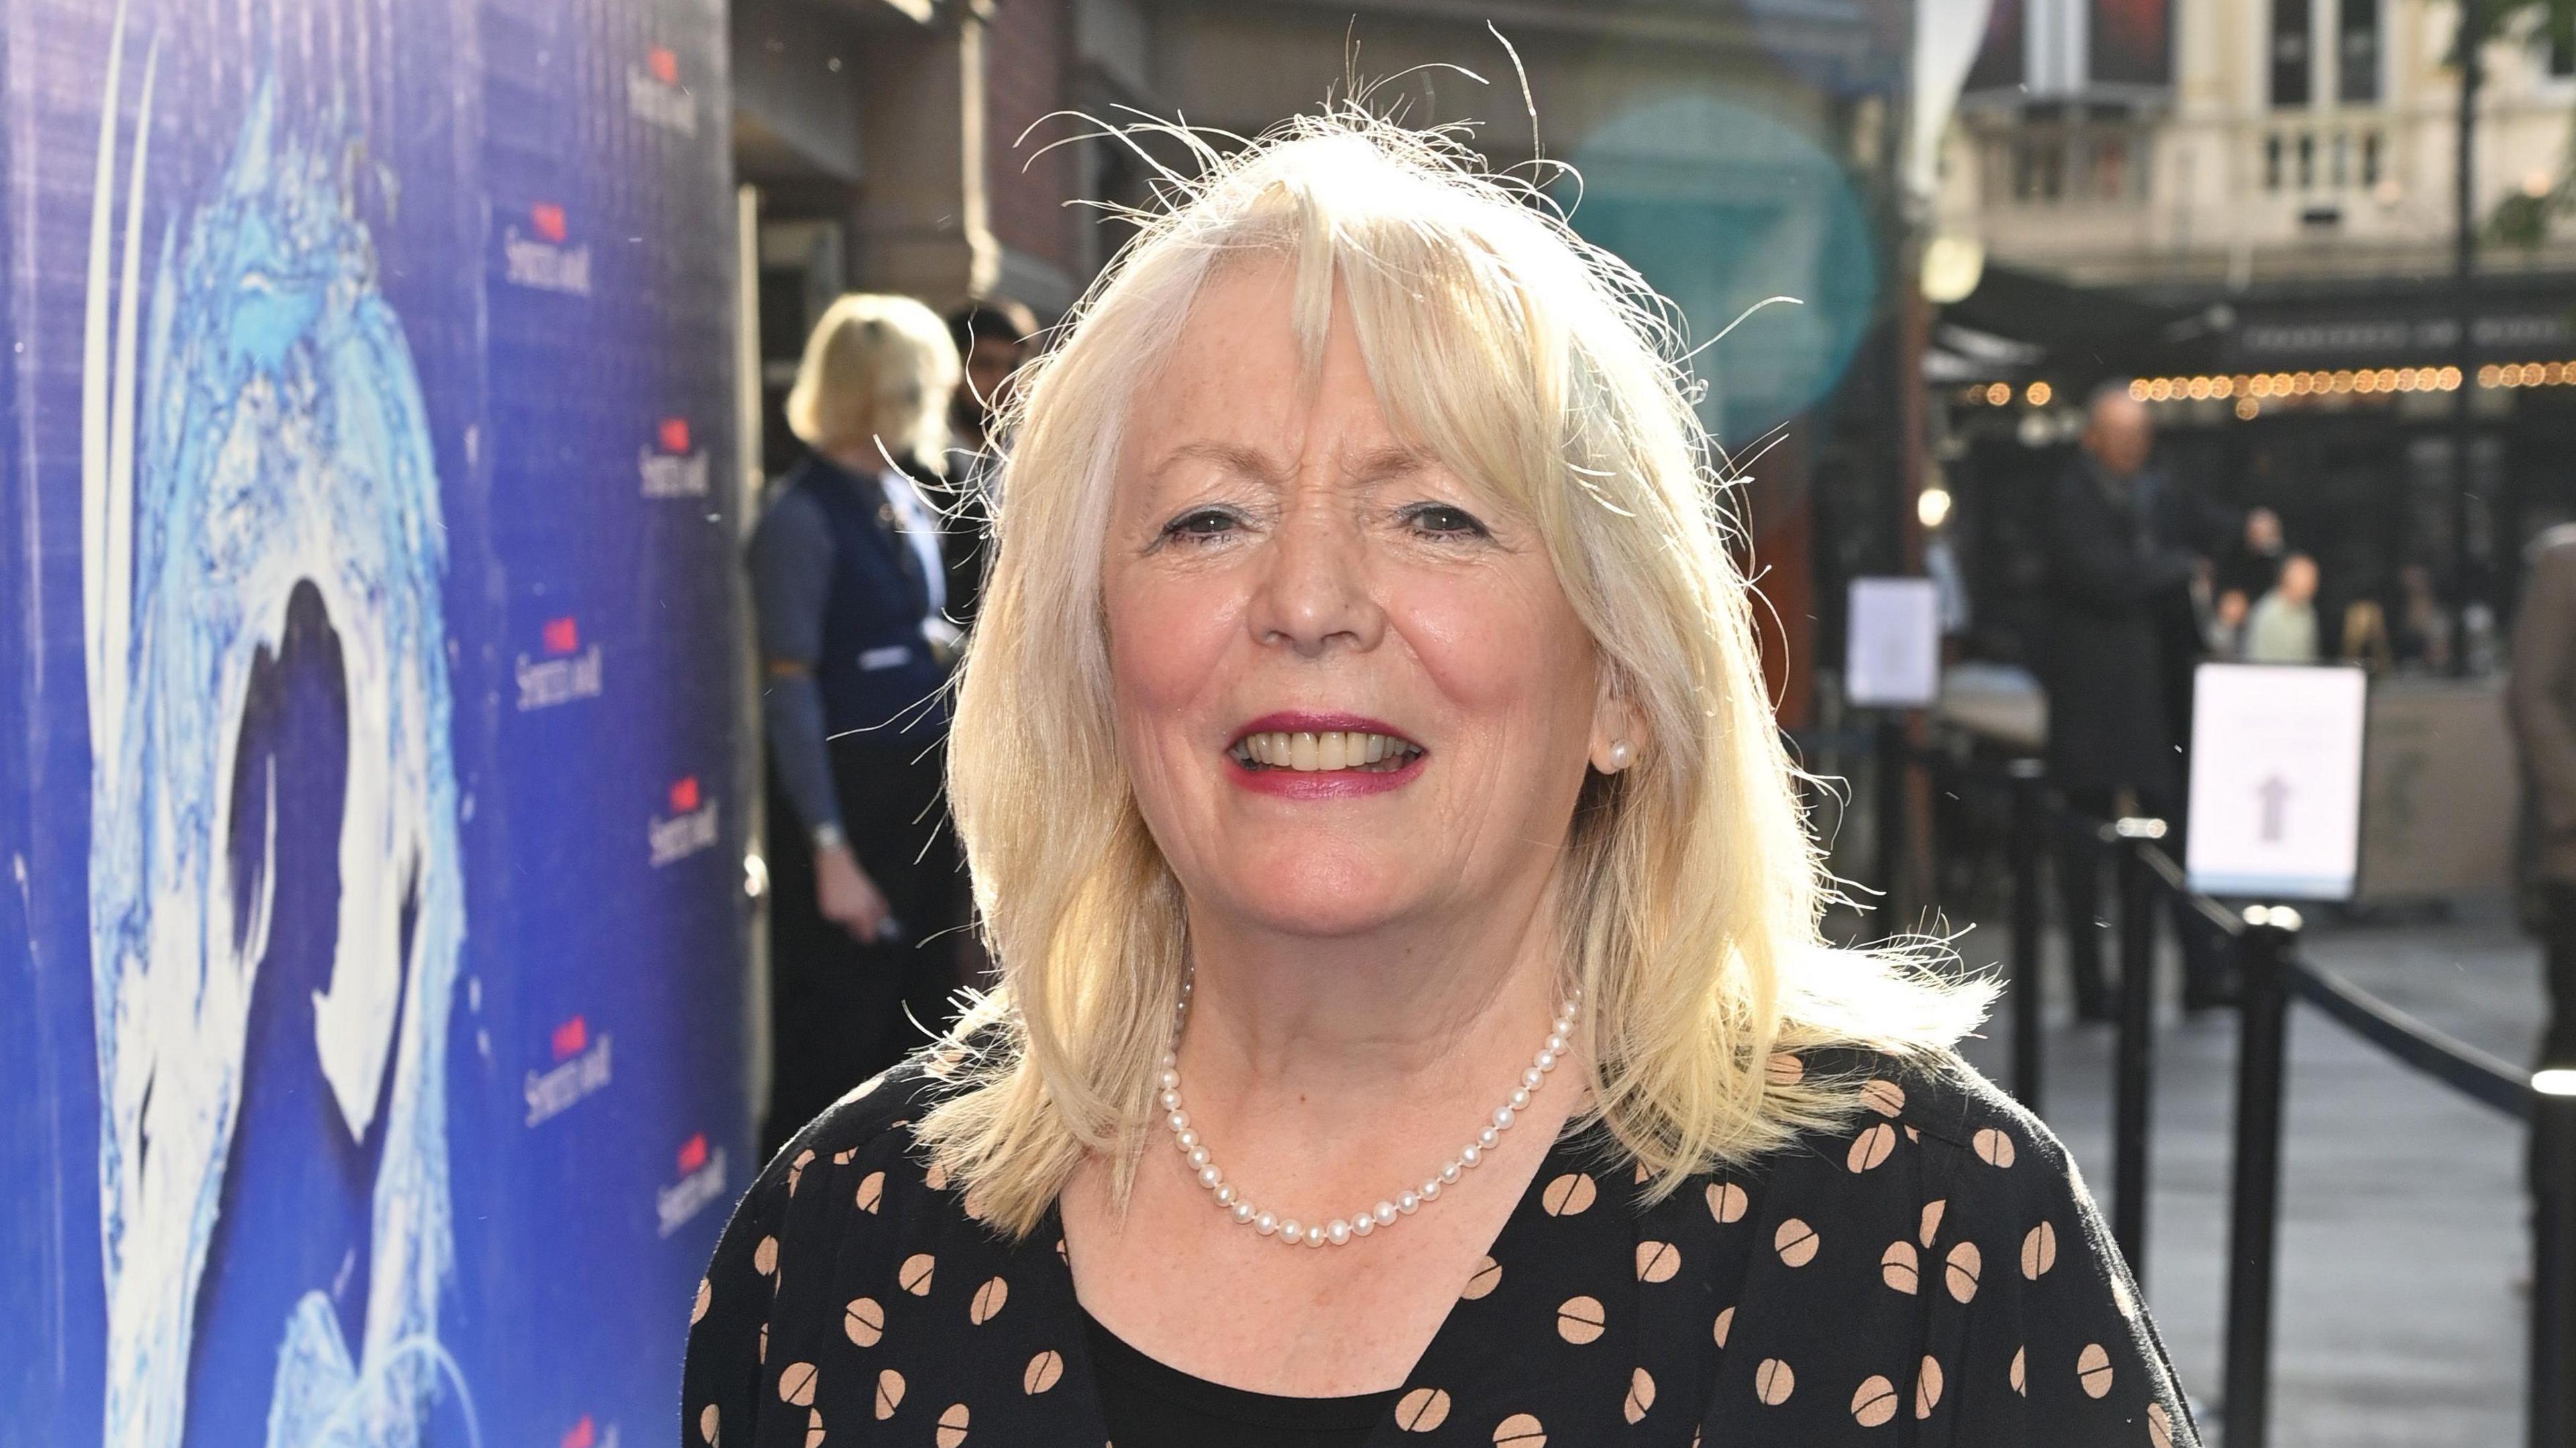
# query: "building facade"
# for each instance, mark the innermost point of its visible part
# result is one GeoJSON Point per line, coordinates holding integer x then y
{"type": "Point", "coordinates": [2250, 206]}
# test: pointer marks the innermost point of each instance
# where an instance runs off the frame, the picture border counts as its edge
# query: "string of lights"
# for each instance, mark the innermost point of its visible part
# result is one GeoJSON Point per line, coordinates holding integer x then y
{"type": "Point", "coordinates": [2251, 390]}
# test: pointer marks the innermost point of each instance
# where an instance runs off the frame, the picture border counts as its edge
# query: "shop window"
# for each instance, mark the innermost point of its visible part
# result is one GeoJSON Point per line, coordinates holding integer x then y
{"type": "Point", "coordinates": [2290, 57]}
{"type": "Point", "coordinates": [2357, 52]}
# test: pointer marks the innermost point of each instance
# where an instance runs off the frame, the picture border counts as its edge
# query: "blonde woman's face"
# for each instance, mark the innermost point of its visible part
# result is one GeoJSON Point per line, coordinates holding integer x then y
{"type": "Point", "coordinates": [1350, 690]}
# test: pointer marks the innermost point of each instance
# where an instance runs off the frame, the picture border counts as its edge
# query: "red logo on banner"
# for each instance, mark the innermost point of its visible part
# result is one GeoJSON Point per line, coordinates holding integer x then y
{"type": "Point", "coordinates": [684, 795]}
{"type": "Point", "coordinates": [665, 65]}
{"type": "Point", "coordinates": [571, 1037]}
{"type": "Point", "coordinates": [675, 434]}
{"type": "Point", "coordinates": [563, 635]}
{"type": "Point", "coordinates": [548, 219]}
{"type": "Point", "coordinates": [693, 1153]}
{"type": "Point", "coordinates": [581, 1434]}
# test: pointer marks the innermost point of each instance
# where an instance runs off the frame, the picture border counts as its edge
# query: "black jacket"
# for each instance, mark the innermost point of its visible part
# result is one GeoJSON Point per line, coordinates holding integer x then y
{"type": "Point", "coordinates": [2122, 633]}
{"type": "Point", "coordinates": [1930, 1273]}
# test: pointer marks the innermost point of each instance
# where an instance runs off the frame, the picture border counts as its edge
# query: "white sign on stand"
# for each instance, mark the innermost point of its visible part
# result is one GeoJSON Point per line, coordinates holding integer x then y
{"type": "Point", "coordinates": [1892, 644]}
{"type": "Point", "coordinates": [2276, 780]}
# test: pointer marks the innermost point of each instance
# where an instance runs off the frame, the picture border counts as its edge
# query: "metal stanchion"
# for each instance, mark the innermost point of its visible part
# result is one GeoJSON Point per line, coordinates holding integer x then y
{"type": "Point", "coordinates": [2135, 1054]}
{"type": "Point", "coordinates": [1891, 817]}
{"type": "Point", "coordinates": [2029, 820]}
{"type": "Point", "coordinates": [2553, 1262]}
{"type": "Point", "coordinates": [2253, 1228]}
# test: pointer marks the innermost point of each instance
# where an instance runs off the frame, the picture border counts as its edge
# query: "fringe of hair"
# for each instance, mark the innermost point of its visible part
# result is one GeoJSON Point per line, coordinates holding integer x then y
{"type": "Point", "coordinates": [1540, 367]}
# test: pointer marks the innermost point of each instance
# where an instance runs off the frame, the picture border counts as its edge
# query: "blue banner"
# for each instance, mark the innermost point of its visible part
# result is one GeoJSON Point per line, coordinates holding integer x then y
{"type": "Point", "coordinates": [373, 769]}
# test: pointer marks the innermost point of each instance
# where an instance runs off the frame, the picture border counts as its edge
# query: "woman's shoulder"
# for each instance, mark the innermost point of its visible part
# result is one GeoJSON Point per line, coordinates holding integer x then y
{"type": "Point", "coordinates": [856, 1162]}
{"type": "Point", "coordinates": [1969, 1140]}
{"type": "Point", "coordinates": [872, 1124]}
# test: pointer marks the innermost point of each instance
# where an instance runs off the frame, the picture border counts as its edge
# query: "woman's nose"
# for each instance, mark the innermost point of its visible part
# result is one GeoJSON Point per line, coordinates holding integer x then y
{"type": "Point", "coordinates": [1314, 593]}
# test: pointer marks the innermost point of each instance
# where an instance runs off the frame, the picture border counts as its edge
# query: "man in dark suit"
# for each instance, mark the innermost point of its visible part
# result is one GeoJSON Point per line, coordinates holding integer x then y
{"type": "Point", "coordinates": [2124, 546]}
{"type": "Point", "coordinates": [2542, 701]}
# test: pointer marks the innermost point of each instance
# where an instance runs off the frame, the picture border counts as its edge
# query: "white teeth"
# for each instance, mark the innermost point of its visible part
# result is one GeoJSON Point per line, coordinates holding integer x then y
{"type": "Point", "coordinates": [1311, 753]}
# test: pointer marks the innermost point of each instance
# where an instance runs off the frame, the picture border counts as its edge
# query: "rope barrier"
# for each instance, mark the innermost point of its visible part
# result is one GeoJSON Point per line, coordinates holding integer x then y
{"type": "Point", "coordinates": [2264, 941]}
{"type": "Point", "coordinates": [2456, 1064]}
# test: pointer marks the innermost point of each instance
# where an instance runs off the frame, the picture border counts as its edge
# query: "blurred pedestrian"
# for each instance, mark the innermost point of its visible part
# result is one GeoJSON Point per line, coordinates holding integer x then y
{"type": "Point", "coordinates": [2365, 636]}
{"type": "Point", "coordinates": [2424, 626]}
{"type": "Point", "coordinates": [2250, 563]}
{"type": "Point", "coordinates": [2542, 700]}
{"type": "Point", "coordinates": [849, 583]}
{"type": "Point", "coordinates": [993, 337]}
{"type": "Point", "coordinates": [2226, 629]}
{"type": "Point", "coordinates": [2283, 627]}
{"type": "Point", "coordinates": [2124, 545]}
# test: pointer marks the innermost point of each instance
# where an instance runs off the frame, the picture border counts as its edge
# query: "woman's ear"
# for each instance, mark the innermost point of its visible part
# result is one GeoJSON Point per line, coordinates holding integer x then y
{"type": "Point", "coordinates": [1618, 734]}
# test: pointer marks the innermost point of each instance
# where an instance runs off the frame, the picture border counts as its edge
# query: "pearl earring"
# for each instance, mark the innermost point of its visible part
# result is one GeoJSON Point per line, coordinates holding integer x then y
{"type": "Point", "coordinates": [1620, 754]}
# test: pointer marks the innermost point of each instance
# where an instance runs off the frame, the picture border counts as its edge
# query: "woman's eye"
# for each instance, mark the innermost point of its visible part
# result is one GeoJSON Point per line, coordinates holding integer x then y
{"type": "Point", "coordinates": [1204, 523]}
{"type": "Point", "coordinates": [1439, 520]}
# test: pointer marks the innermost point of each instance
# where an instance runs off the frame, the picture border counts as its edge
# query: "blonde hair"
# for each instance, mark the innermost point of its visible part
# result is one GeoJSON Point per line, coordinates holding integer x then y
{"type": "Point", "coordinates": [1544, 370]}
{"type": "Point", "coordinates": [879, 367]}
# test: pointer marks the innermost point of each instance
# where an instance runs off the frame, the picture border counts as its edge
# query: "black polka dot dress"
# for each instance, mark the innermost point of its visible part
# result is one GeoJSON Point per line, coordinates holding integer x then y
{"type": "Point", "coordinates": [1930, 1274]}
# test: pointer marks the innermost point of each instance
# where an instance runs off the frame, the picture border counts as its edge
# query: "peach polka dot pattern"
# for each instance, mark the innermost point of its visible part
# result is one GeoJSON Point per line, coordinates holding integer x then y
{"type": "Point", "coordinates": [1608, 1302]}
{"type": "Point", "coordinates": [1773, 1382]}
{"type": "Point", "coordinates": [2093, 1370]}
{"type": "Point", "coordinates": [1422, 1410]}
{"type": "Point", "coordinates": [1641, 1396]}
{"type": "Point", "coordinates": [1896, 1267]}
{"type": "Point", "coordinates": [1873, 1403]}
{"type": "Point", "coordinates": [1796, 1242]}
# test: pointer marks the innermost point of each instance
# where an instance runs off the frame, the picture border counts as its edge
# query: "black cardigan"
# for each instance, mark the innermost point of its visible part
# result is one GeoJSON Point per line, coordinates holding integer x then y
{"type": "Point", "coordinates": [1930, 1274]}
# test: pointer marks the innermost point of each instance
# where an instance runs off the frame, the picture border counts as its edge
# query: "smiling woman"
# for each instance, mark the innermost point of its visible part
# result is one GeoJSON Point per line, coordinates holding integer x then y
{"type": "Point", "coordinates": [1364, 724]}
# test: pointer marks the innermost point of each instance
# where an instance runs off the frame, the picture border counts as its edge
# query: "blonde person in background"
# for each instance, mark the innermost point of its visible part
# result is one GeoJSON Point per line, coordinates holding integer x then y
{"type": "Point", "coordinates": [850, 588]}
{"type": "Point", "coordinates": [2282, 629]}
{"type": "Point", "coordinates": [1414, 1025]}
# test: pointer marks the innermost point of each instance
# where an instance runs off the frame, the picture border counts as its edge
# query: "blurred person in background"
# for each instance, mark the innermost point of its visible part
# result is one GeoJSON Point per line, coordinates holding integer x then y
{"type": "Point", "coordinates": [2225, 631]}
{"type": "Point", "coordinates": [2365, 636]}
{"type": "Point", "coordinates": [850, 584]}
{"type": "Point", "coordinates": [2424, 626]}
{"type": "Point", "coordinates": [2283, 626]}
{"type": "Point", "coordinates": [2123, 546]}
{"type": "Point", "coordinates": [2541, 699]}
{"type": "Point", "coordinates": [994, 336]}
{"type": "Point", "coordinates": [2250, 563]}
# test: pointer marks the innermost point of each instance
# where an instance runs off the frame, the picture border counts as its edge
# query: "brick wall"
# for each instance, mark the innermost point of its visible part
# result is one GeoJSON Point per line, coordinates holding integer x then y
{"type": "Point", "coordinates": [1024, 67]}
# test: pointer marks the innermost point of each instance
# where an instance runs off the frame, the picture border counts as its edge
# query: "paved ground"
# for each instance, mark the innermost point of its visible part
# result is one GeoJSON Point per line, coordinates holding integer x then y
{"type": "Point", "coordinates": [2405, 1253]}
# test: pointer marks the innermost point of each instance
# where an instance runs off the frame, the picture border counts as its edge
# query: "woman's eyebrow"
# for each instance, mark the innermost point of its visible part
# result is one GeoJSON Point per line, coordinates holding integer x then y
{"type": "Point", "coordinates": [1232, 457]}
{"type": "Point", "coordinates": [1385, 464]}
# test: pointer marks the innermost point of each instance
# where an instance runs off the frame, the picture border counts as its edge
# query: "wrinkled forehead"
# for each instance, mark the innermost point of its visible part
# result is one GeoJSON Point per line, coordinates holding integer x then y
{"type": "Point", "coordinates": [1270, 330]}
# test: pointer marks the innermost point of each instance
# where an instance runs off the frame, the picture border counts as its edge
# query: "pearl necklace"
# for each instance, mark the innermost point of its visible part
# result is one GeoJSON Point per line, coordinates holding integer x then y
{"type": "Point", "coordinates": [1340, 1230]}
